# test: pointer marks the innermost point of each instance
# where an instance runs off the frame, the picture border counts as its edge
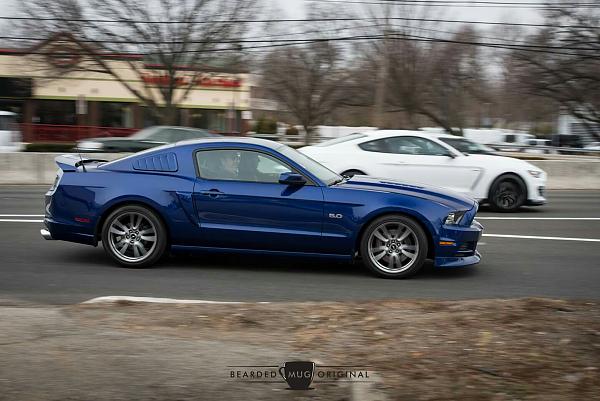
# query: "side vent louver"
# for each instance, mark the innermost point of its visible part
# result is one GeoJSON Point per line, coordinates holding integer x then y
{"type": "Point", "coordinates": [162, 162]}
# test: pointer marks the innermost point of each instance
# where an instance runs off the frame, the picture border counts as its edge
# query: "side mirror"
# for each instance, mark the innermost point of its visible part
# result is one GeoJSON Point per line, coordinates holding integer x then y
{"type": "Point", "coordinates": [290, 178]}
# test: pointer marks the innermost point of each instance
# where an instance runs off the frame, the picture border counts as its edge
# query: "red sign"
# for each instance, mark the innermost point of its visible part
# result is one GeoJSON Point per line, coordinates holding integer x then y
{"type": "Point", "coordinates": [164, 80]}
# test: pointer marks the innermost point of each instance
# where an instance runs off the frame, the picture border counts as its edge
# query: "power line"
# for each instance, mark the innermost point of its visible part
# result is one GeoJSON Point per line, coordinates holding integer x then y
{"type": "Point", "coordinates": [262, 21]}
{"type": "Point", "coordinates": [303, 40]}
{"type": "Point", "coordinates": [463, 4]}
{"type": "Point", "coordinates": [284, 43]}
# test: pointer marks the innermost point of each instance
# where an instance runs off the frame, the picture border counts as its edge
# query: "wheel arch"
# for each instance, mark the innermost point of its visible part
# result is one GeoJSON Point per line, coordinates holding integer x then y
{"type": "Point", "coordinates": [130, 202]}
{"type": "Point", "coordinates": [360, 170]}
{"type": "Point", "coordinates": [414, 216]}
{"type": "Point", "coordinates": [508, 174]}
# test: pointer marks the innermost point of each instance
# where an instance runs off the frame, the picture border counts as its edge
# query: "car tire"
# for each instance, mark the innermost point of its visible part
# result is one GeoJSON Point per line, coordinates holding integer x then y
{"type": "Point", "coordinates": [352, 173]}
{"type": "Point", "coordinates": [134, 236]}
{"type": "Point", "coordinates": [394, 246]}
{"type": "Point", "coordinates": [507, 194]}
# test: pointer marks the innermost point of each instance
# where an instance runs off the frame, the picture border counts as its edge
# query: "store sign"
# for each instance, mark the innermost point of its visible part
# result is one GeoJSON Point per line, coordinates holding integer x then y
{"type": "Point", "coordinates": [164, 80]}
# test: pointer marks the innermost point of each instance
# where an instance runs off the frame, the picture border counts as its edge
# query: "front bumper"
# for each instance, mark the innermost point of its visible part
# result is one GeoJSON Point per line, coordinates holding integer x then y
{"type": "Point", "coordinates": [460, 246]}
{"type": "Point", "coordinates": [536, 190]}
{"type": "Point", "coordinates": [46, 234]}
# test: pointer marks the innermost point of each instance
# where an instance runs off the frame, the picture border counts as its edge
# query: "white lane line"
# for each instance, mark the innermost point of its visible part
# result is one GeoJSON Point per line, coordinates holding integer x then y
{"type": "Point", "coordinates": [537, 218]}
{"type": "Point", "coordinates": [545, 238]}
{"type": "Point", "coordinates": [21, 215]}
{"type": "Point", "coordinates": [20, 221]}
{"type": "Point", "coordinates": [117, 298]}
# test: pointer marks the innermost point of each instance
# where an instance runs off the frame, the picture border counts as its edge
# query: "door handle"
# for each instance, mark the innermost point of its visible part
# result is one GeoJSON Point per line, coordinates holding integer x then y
{"type": "Point", "coordinates": [213, 193]}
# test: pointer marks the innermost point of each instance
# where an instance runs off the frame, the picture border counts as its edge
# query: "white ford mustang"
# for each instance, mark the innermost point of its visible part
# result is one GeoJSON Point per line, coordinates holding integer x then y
{"type": "Point", "coordinates": [441, 160]}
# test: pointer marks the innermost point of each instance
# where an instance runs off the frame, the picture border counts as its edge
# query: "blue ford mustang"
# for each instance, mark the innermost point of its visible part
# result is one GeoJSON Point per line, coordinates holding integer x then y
{"type": "Point", "coordinates": [257, 196]}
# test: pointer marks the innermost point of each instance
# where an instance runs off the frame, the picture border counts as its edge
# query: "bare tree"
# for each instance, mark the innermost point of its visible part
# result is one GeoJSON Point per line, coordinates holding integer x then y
{"type": "Point", "coordinates": [176, 37]}
{"type": "Point", "coordinates": [416, 75]}
{"type": "Point", "coordinates": [565, 65]}
{"type": "Point", "coordinates": [307, 80]}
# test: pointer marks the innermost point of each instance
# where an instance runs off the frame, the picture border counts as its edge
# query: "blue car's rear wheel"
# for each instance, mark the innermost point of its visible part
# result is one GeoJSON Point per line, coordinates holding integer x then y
{"type": "Point", "coordinates": [134, 236]}
{"type": "Point", "coordinates": [394, 246]}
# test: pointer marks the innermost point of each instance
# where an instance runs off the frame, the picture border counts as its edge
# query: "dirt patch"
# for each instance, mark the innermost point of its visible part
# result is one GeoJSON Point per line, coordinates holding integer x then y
{"type": "Point", "coordinates": [528, 349]}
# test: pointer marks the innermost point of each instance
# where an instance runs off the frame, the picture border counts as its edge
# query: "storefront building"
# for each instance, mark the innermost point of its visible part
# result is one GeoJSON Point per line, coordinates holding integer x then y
{"type": "Point", "coordinates": [84, 102]}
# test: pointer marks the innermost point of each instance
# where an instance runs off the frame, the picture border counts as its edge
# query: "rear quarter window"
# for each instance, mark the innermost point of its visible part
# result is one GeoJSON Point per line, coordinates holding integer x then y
{"type": "Point", "coordinates": [378, 145]}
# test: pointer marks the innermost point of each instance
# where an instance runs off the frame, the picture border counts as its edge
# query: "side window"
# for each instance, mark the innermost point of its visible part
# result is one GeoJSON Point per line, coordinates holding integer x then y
{"type": "Point", "coordinates": [411, 145]}
{"type": "Point", "coordinates": [179, 135]}
{"type": "Point", "coordinates": [378, 145]}
{"type": "Point", "coordinates": [239, 165]}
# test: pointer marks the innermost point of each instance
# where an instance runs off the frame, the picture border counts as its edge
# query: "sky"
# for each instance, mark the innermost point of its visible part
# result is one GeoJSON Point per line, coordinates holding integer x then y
{"type": "Point", "coordinates": [297, 8]}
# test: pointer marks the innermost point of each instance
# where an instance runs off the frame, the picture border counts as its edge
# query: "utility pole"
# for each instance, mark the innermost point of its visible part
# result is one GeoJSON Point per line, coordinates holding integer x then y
{"type": "Point", "coordinates": [379, 109]}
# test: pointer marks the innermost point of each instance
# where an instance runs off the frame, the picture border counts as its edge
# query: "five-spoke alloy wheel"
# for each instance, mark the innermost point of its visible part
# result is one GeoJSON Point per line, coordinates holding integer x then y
{"type": "Point", "coordinates": [394, 246]}
{"type": "Point", "coordinates": [134, 236]}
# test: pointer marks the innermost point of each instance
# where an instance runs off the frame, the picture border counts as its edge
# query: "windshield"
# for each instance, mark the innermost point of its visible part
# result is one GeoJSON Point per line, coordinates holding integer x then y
{"type": "Point", "coordinates": [466, 146]}
{"type": "Point", "coordinates": [7, 123]}
{"type": "Point", "coordinates": [327, 176]}
{"type": "Point", "coordinates": [341, 140]}
{"type": "Point", "coordinates": [145, 133]}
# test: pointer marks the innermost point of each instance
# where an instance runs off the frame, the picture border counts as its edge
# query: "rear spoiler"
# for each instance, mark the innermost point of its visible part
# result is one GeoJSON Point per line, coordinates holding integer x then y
{"type": "Point", "coordinates": [72, 162]}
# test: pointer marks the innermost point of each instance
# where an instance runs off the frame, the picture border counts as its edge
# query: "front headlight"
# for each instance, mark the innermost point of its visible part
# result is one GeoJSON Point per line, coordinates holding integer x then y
{"type": "Point", "coordinates": [454, 218]}
{"type": "Point", "coordinates": [90, 145]}
{"type": "Point", "coordinates": [535, 173]}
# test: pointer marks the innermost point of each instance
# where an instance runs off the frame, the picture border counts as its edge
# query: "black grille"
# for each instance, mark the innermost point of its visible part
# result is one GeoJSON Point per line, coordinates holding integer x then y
{"type": "Point", "coordinates": [466, 249]}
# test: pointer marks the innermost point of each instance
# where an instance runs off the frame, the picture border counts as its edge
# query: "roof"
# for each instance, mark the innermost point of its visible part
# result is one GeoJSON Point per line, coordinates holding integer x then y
{"type": "Point", "coordinates": [385, 133]}
{"type": "Point", "coordinates": [233, 140]}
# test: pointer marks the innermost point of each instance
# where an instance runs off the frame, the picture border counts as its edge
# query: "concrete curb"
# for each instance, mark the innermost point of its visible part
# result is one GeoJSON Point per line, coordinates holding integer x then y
{"type": "Point", "coordinates": [123, 298]}
{"type": "Point", "coordinates": [37, 168]}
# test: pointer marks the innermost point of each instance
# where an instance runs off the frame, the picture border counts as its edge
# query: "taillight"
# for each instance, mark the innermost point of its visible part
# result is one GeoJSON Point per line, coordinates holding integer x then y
{"type": "Point", "coordinates": [55, 183]}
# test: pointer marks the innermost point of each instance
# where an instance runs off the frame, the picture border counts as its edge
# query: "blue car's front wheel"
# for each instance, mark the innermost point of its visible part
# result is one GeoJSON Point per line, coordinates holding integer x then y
{"type": "Point", "coordinates": [134, 236]}
{"type": "Point", "coordinates": [394, 246]}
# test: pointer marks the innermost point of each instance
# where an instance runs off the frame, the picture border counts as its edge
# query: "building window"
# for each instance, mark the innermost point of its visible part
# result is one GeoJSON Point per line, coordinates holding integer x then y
{"type": "Point", "coordinates": [57, 112]}
{"type": "Point", "coordinates": [215, 120]}
{"type": "Point", "coordinates": [116, 114]}
{"type": "Point", "coordinates": [149, 119]}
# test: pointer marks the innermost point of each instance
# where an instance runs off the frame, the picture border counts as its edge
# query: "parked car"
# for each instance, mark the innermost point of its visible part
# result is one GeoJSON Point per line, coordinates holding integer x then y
{"type": "Point", "coordinates": [10, 135]}
{"type": "Point", "coordinates": [251, 195]}
{"type": "Point", "coordinates": [436, 159]}
{"type": "Point", "coordinates": [539, 146]}
{"type": "Point", "coordinates": [592, 146]}
{"type": "Point", "coordinates": [141, 140]}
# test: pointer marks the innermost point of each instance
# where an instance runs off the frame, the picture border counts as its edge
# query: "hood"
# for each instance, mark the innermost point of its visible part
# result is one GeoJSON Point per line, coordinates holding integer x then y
{"type": "Point", "coordinates": [452, 199]}
{"type": "Point", "coordinates": [505, 160]}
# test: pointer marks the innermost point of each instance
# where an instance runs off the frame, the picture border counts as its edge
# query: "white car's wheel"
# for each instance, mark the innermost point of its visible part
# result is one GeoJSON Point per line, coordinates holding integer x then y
{"type": "Point", "coordinates": [507, 194]}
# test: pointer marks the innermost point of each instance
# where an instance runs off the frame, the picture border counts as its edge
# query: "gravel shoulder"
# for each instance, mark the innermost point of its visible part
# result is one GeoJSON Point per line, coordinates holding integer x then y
{"type": "Point", "coordinates": [523, 349]}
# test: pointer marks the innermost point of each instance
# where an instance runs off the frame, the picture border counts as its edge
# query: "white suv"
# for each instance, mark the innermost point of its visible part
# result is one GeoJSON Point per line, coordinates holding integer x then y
{"type": "Point", "coordinates": [10, 136]}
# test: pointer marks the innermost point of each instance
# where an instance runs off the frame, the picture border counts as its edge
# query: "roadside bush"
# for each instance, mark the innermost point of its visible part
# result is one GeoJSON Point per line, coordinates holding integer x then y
{"type": "Point", "coordinates": [265, 126]}
{"type": "Point", "coordinates": [292, 131]}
